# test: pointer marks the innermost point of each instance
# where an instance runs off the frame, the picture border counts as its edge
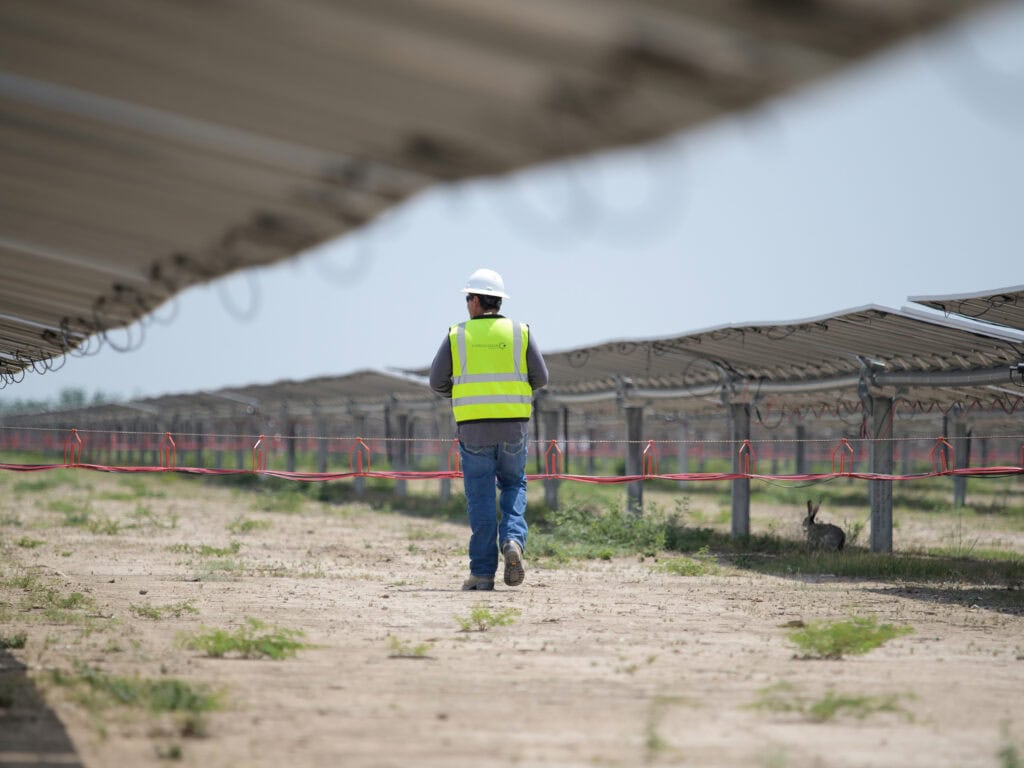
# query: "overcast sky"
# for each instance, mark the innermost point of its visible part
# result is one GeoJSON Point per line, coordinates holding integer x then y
{"type": "Point", "coordinates": [902, 177]}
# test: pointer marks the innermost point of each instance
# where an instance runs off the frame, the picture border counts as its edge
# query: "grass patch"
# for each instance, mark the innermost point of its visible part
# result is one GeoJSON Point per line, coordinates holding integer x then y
{"type": "Point", "coordinates": [56, 607]}
{"type": "Point", "coordinates": [700, 564]}
{"type": "Point", "coordinates": [833, 640]}
{"type": "Point", "coordinates": [79, 515]}
{"type": "Point", "coordinates": [205, 550]}
{"type": "Point", "coordinates": [14, 641]}
{"type": "Point", "coordinates": [481, 618]}
{"type": "Point", "coordinates": [784, 698]}
{"type": "Point", "coordinates": [586, 532]}
{"type": "Point", "coordinates": [860, 564]}
{"type": "Point", "coordinates": [157, 612]}
{"type": "Point", "coordinates": [144, 517]}
{"type": "Point", "coordinates": [46, 482]}
{"type": "Point", "coordinates": [401, 649]}
{"type": "Point", "coordinates": [26, 543]}
{"type": "Point", "coordinates": [96, 689]}
{"type": "Point", "coordinates": [251, 641]}
{"type": "Point", "coordinates": [243, 525]}
{"type": "Point", "coordinates": [289, 501]}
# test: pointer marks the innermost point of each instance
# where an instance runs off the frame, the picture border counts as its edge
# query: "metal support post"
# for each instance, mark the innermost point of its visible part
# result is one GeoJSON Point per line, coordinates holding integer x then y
{"type": "Point", "coordinates": [634, 458]}
{"type": "Point", "coordinates": [880, 415]}
{"type": "Point", "coordinates": [739, 418]}
{"type": "Point", "coordinates": [684, 450]}
{"type": "Point", "coordinates": [961, 441]}
{"type": "Point", "coordinates": [550, 433]}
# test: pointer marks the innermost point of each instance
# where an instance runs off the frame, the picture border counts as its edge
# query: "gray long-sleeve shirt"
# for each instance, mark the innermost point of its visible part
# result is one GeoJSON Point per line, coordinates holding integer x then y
{"type": "Point", "coordinates": [489, 431]}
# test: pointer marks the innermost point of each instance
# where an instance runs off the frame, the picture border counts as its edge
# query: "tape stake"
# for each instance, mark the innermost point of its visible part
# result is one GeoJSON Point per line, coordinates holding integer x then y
{"type": "Point", "coordinates": [650, 459]}
{"type": "Point", "coordinates": [259, 454]}
{"type": "Point", "coordinates": [355, 457]}
{"type": "Point", "coordinates": [841, 451]}
{"type": "Point", "coordinates": [454, 457]}
{"type": "Point", "coordinates": [553, 458]}
{"type": "Point", "coordinates": [746, 458]}
{"type": "Point", "coordinates": [168, 452]}
{"type": "Point", "coordinates": [939, 456]}
{"type": "Point", "coordinates": [72, 449]}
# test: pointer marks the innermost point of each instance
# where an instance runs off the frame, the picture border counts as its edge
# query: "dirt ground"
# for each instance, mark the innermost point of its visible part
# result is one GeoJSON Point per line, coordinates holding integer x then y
{"type": "Point", "coordinates": [607, 663]}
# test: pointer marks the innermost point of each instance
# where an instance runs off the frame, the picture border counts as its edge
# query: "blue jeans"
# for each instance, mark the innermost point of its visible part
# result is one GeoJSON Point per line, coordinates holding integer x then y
{"type": "Point", "coordinates": [482, 466]}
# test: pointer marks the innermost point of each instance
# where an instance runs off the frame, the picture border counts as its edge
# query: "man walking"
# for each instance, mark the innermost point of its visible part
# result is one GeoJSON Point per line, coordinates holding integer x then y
{"type": "Point", "coordinates": [489, 366]}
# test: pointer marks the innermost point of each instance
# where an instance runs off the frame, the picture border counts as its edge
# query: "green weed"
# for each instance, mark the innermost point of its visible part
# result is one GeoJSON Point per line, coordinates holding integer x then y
{"type": "Point", "coordinates": [243, 525]}
{"type": "Point", "coordinates": [98, 690]}
{"type": "Point", "coordinates": [45, 482]}
{"type": "Point", "coordinates": [79, 515]}
{"type": "Point", "coordinates": [13, 641]}
{"type": "Point", "coordinates": [701, 564]}
{"type": "Point", "coordinates": [833, 640]}
{"type": "Point", "coordinates": [883, 567]}
{"type": "Point", "coordinates": [39, 596]}
{"type": "Point", "coordinates": [156, 612]}
{"type": "Point", "coordinates": [76, 513]}
{"type": "Point", "coordinates": [144, 517]}
{"type": "Point", "coordinates": [400, 649]}
{"type": "Point", "coordinates": [26, 543]}
{"type": "Point", "coordinates": [784, 698]}
{"type": "Point", "coordinates": [204, 550]}
{"type": "Point", "coordinates": [254, 640]}
{"type": "Point", "coordinates": [289, 502]}
{"type": "Point", "coordinates": [140, 488]}
{"type": "Point", "coordinates": [1010, 757]}
{"type": "Point", "coordinates": [481, 618]}
{"type": "Point", "coordinates": [584, 531]}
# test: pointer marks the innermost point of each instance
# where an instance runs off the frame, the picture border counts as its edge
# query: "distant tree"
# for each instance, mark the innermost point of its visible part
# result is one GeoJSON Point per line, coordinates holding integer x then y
{"type": "Point", "coordinates": [71, 398]}
{"type": "Point", "coordinates": [68, 399]}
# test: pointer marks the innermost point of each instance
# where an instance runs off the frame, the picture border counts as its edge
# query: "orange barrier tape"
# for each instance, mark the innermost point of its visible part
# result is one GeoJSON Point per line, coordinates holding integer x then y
{"type": "Point", "coordinates": [996, 471]}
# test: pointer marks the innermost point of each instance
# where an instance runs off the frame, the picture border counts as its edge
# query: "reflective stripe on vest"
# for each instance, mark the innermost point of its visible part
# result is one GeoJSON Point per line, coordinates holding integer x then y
{"type": "Point", "coordinates": [489, 375]}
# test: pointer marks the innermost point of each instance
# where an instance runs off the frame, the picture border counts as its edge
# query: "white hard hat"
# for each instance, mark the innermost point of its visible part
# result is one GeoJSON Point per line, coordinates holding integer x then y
{"type": "Point", "coordinates": [486, 282]}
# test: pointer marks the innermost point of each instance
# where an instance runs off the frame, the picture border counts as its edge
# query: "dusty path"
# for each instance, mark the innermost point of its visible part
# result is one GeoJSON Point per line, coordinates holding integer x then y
{"type": "Point", "coordinates": [608, 663]}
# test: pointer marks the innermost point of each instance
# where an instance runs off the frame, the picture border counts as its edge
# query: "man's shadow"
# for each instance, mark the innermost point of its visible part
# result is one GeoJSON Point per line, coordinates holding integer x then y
{"type": "Point", "coordinates": [31, 736]}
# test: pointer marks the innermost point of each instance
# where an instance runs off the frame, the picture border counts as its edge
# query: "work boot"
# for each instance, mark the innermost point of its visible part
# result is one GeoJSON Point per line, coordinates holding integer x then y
{"type": "Point", "coordinates": [478, 583]}
{"type": "Point", "coordinates": [514, 571]}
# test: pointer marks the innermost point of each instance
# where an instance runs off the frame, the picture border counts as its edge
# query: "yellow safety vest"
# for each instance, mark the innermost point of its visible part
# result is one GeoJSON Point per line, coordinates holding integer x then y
{"type": "Point", "coordinates": [489, 378]}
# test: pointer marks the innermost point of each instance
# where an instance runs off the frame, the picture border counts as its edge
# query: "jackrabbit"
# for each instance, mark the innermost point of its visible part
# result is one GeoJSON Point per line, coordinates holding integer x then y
{"type": "Point", "coordinates": [822, 535]}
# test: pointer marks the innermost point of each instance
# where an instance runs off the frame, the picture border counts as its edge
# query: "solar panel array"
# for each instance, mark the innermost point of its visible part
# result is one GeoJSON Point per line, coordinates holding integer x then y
{"type": "Point", "coordinates": [147, 147]}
